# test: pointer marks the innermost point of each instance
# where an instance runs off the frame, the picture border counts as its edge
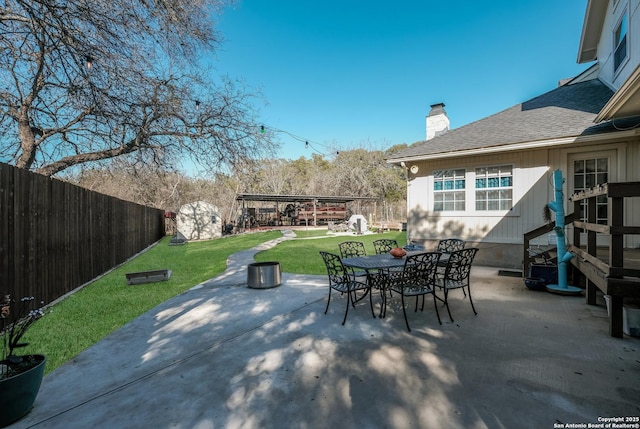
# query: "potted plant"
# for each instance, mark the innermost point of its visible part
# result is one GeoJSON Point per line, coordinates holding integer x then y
{"type": "Point", "coordinates": [20, 376]}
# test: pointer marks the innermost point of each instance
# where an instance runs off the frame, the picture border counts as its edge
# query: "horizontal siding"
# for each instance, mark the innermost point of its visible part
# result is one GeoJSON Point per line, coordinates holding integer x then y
{"type": "Point", "coordinates": [533, 190]}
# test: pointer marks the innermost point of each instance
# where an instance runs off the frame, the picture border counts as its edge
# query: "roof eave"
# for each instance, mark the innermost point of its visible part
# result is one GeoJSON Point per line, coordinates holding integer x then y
{"type": "Point", "coordinates": [591, 30]}
{"type": "Point", "coordinates": [625, 102]}
{"type": "Point", "coordinates": [513, 147]}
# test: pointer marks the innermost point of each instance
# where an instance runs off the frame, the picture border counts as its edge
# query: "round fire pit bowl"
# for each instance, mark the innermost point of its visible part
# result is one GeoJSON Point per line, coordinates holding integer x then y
{"type": "Point", "coordinates": [264, 275]}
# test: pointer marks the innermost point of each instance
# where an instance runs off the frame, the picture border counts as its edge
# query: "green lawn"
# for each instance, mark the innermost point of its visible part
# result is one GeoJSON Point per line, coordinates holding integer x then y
{"type": "Point", "coordinates": [108, 303]}
{"type": "Point", "coordinates": [87, 316]}
{"type": "Point", "coordinates": [301, 256]}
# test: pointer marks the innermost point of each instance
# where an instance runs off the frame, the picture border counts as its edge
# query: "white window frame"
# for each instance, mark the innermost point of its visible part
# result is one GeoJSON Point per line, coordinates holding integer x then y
{"type": "Point", "coordinates": [623, 22]}
{"type": "Point", "coordinates": [598, 178]}
{"type": "Point", "coordinates": [491, 174]}
{"type": "Point", "coordinates": [444, 176]}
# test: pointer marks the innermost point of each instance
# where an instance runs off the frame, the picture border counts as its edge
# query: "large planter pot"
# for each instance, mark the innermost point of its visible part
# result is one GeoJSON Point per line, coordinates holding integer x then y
{"type": "Point", "coordinates": [18, 393]}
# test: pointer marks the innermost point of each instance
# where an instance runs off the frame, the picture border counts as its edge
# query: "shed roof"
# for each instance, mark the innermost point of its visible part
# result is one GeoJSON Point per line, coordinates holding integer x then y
{"type": "Point", "coordinates": [565, 112]}
{"type": "Point", "coordinates": [299, 198]}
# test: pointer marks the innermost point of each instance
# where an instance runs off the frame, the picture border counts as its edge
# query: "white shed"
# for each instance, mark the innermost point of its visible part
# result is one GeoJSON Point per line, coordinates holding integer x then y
{"type": "Point", "coordinates": [358, 223]}
{"type": "Point", "coordinates": [199, 220]}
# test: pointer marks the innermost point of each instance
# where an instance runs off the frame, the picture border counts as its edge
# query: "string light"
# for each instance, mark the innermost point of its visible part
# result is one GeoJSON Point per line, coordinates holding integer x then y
{"type": "Point", "coordinates": [308, 144]}
{"type": "Point", "coordinates": [89, 62]}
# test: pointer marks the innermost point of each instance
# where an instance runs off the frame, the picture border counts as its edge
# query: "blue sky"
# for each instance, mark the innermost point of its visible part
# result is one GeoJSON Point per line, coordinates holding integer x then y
{"type": "Point", "coordinates": [344, 74]}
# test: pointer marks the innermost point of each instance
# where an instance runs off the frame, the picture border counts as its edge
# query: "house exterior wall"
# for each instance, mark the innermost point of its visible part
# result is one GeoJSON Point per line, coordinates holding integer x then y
{"type": "Point", "coordinates": [501, 233]}
{"type": "Point", "coordinates": [607, 40]}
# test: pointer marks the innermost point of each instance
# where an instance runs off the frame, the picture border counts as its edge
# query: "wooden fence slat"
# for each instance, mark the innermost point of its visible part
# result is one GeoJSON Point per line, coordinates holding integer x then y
{"type": "Point", "coordinates": [55, 236]}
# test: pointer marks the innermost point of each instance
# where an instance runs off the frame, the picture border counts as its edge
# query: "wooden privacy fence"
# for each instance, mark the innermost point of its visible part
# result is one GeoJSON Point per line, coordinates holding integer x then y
{"type": "Point", "coordinates": [55, 236]}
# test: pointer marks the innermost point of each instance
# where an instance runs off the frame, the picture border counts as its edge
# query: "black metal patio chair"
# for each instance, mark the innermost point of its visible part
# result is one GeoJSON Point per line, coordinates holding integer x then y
{"type": "Point", "coordinates": [350, 249]}
{"type": "Point", "coordinates": [341, 280]}
{"type": "Point", "coordinates": [417, 278]}
{"type": "Point", "coordinates": [384, 245]}
{"type": "Point", "coordinates": [457, 275]}
{"type": "Point", "coordinates": [448, 245]}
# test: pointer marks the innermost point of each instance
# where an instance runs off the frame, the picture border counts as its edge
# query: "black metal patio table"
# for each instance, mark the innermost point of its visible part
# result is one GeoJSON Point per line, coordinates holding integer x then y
{"type": "Point", "coordinates": [373, 264]}
{"type": "Point", "coordinates": [383, 261]}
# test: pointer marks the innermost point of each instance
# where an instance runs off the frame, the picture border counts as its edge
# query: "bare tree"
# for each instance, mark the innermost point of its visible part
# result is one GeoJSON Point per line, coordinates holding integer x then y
{"type": "Point", "coordinates": [85, 81]}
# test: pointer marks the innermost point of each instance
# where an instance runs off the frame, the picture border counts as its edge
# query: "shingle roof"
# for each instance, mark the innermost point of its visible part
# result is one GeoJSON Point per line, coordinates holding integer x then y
{"type": "Point", "coordinates": [566, 111]}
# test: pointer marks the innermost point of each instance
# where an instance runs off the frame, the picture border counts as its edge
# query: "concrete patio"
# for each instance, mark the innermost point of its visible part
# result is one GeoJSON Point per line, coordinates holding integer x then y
{"type": "Point", "coordinates": [225, 356]}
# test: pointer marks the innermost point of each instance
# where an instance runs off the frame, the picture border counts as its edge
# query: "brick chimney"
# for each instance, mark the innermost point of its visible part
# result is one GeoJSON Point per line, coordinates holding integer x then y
{"type": "Point", "coordinates": [437, 121]}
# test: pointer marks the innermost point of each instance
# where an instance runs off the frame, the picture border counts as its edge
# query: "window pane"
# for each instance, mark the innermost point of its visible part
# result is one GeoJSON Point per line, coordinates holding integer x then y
{"type": "Point", "coordinates": [481, 183]}
{"type": "Point", "coordinates": [590, 166]}
{"type": "Point", "coordinates": [621, 30]}
{"type": "Point", "coordinates": [578, 166]}
{"type": "Point", "coordinates": [506, 194]}
{"type": "Point", "coordinates": [602, 165]}
{"type": "Point", "coordinates": [602, 212]}
{"type": "Point", "coordinates": [506, 181]}
{"type": "Point", "coordinates": [494, 182]}
{"type": "Point", "coordinates": [602, 178]}
{"type": "Point", "coordinates": [437, 186]}
{"type": "Point", "coordinates": [459, 184]}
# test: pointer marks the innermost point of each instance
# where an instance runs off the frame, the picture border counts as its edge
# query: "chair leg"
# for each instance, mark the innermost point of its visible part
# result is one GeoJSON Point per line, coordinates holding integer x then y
{"type": "Point", "coordinates": [471, 301]}
{"type": "Point", "coordinates": [435, 304]}
{"type": "Point", "coordinates": [328, 301]}
{"type": "Point", "coordinates": [347, 309]}
{"type": "Point", "coordinates": [404, 311]}
{"type": "Point", "coordinates": [446, 303]}
{"type": "Point", "coordinates": [371, 303]}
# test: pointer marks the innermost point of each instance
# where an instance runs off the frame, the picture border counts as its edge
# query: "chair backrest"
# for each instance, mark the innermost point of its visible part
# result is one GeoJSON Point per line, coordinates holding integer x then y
{"type": "Point", "coordinates": [384, 245]}
{"type": "Point", "coordinates": [335, 269]}
{"type": "Point", "coordinates": [419, 270]}
{"type": "Point", "coordinates": [459, 264]}
{"type": "Point", "coordinates": [448, 245]}
{"type": "Point", "coordinates": [349, 249]}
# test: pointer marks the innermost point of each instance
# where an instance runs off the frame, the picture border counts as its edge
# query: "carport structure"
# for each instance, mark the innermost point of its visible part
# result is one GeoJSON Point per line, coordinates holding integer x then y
{"type": "Point", "coordinates": [294, 210]}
